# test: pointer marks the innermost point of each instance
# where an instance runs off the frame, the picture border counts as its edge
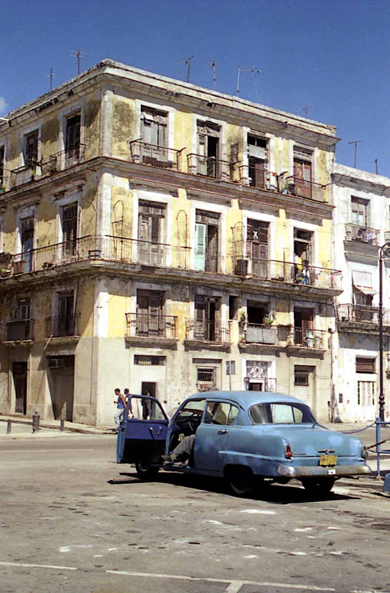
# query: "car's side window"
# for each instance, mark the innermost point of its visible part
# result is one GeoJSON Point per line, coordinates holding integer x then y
{"type": "Point", "coordinates": [194, 407]}
{"type": "Point", "coordinates": [220, 413]}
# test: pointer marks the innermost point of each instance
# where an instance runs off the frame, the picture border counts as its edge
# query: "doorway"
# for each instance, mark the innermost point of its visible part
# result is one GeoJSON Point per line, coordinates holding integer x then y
{"type": "Point", "coordinates": [19, 374]}
{"type": "Point", "coordinates": [61, 385]}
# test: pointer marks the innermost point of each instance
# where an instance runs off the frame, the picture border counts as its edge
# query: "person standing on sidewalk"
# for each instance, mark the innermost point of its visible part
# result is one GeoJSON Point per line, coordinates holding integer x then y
{"type": "Point", "coordinates": [121, 404]}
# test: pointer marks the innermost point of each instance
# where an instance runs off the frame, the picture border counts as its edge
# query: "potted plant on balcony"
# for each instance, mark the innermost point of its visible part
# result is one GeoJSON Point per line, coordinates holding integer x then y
{"type": "Point", "coordinates": [2, 188]}
{"type": "Point", "coordinates": [269, 318]}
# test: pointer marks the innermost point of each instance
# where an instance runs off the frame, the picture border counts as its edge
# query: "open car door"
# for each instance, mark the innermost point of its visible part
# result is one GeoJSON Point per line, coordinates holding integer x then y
{"type": "Point", "coordinates": [143, 431]}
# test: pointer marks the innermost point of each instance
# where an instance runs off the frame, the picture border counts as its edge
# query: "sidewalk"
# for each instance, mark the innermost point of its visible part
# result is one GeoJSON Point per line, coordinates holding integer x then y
{"type": "Point", "coordinates": [23, 426]}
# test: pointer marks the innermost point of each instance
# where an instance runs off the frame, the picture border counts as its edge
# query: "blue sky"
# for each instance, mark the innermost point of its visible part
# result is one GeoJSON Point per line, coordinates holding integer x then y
{"type": "Point", "coordinates": [331, 56]}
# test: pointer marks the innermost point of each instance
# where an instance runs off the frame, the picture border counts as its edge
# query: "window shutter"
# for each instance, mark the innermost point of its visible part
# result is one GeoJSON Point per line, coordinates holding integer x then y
{"type": "Point", "coordinates": [200, 246]}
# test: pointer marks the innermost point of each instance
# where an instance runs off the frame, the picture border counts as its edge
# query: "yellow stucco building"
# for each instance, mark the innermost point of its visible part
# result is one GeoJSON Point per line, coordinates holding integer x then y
{"type": "Point", "coordinates": [162, 237]}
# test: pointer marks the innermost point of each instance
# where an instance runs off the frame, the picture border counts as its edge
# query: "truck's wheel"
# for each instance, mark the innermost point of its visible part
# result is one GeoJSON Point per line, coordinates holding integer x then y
{"type": "Point", "coordinates": [318, 486]}
{"type": "Point", "coordinates": [240, 480]}
{"type": "Point", "coordinates": [145, 471]}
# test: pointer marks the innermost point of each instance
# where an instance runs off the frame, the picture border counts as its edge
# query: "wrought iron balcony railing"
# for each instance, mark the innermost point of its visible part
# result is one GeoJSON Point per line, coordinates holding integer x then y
{"type": "Point", "coordinates": [147, 325]}
{"type": "Point", "coordinates": [355, 232]}
{"type": "Point", "coordinates": [64, 159]}
{"type": "Point", "coordinates": [280, 271]}
{"type": "Point", "coordinates": [254, 176]}
{"type": "Point", "coordinates": [208, 331]}
{"type": "Point", "coordinates": [349, 313]}
{"type": "Point", "coordinates": [296, 186]}
{"type": "Point", "coordinates": [156, 155]}
{"type": "Point", "coordinates": [20, 329]}
{"type": "Point", "coordinates": [25, 174]}
{"type": "Point", "coordinates": [210, 167]}
{"type": "Point", "coordinates": [309, 338]}
{"type": "Point", "coordinates": [61, 326]}
{"type": "Point", "coordinates": [148, 253]}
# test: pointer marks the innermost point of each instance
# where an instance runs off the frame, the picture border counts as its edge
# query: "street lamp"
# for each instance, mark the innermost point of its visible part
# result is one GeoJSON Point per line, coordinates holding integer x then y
{"type": "Point", "coordinates": [383, 253]}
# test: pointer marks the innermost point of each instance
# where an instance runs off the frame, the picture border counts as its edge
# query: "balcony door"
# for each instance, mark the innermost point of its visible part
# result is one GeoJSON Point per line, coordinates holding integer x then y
{"type": "Point", "coordinates": [31, 149]}
{"type": "Point", "coordinates": [150, 320]}
{"type": "Point", "coordinates": [208, 149]}
{"type": "Point", "coordinates": [206, 241]}
{"type": "Point", "coordinates": [69, 228]}
{"type": "Point", "coordinates": [65, 321]}
{"type": "Point", "coordinates": [207, 315]}
{"type": "Point", "coordinates": [154, 131]}
{"type": "Point", "coordinates": [303, 327]}
{"type": "Point", "coordinates": [151, 229]}
{"type": "Point", "coordinates": [27, 242]}
{"type": "Point", "coordinates": [303, 174]}
{"type": "Point", "coordinates": [257, 247]}
{"type": "Point", "coordinates": [72, 140]}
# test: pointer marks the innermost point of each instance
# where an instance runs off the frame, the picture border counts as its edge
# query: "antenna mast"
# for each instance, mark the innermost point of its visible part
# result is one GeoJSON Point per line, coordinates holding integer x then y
{"type": "Point", "coordinates": [245, 70]}
{"type": "Point", "coordinates": [213, 64]}
{"type": "Point", "coordinates": [188, 62]}
{"type": "Point", "coordinates": [51, 75]}
{"type": "Point", "coordinates": [355, 142]}
{"type": "Point", "coordinates": [77, 54]}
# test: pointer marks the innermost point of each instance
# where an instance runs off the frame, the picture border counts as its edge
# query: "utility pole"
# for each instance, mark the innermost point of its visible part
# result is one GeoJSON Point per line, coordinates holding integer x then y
{"type": "Point", "coordinates": [213, 64]}
{"type": "Point", "coordinates": [77, 54]}
{"type": "Point", "coordinates": [355, 142]}
{"type": "Point", "coordinates": [376, 166]}
{"type": "Point", "coordinates": [244, 70]}
{"type": "Point", "coordinates": [188, 62]}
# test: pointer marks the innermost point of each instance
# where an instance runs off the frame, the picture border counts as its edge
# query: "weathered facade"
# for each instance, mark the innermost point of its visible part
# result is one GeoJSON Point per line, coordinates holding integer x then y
{"type": "Point", "coordinates": [166, 238]}
{"type": "Point", "coordinates": [362, 225]}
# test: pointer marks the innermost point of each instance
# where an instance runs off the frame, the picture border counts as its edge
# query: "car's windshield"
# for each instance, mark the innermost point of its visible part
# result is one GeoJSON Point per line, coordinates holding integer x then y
{"type": "Point", "coordinates": [281, 413]}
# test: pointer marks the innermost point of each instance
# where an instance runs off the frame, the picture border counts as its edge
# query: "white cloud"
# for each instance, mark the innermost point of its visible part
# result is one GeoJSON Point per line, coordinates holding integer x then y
{"type": "Point", "coordinates": [3, 105]}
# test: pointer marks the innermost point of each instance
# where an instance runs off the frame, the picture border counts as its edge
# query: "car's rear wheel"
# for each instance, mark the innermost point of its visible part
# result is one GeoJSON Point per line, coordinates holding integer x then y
{"type": "Point", "coordinates": [318, 485]}
{"type": "Point", "coordinates": [241, 481]}
{"type": "Point", "coordinates": [146, 471]}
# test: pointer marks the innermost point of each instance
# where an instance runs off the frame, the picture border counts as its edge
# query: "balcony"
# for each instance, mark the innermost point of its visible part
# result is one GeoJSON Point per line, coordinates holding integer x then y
{"type": "Point", "coordinates": [210, 167]}
{"type": "Point", "coordinates": [25, 174]}
{"type": "Point", "coordinates": [354, 232]}
{"type": "Point", "coordinates": [264, 334]}
{"type": "Point", "coordinates": [19, 330]}
{"type": "Point", "coordinates": [155, 155]}
{"type": "Point", "coordinates": [296, 186]}
{"type": "Point", "coordinates": [215, 332]}
{"type": "Point", "coordinates": [308, 338]}
{"type": "Point", "coordinates": [61, 326]}
{"type": "Point", "coordinates": [352, 314]}
{"type": "Point", "coordinates": [291, 273]}
{"type": "Point", "coordinates": [254, 176]}
{"type": "Point", "coordinates": [146, 325]}
{"type": "Point", "coordinates": [64, 159]}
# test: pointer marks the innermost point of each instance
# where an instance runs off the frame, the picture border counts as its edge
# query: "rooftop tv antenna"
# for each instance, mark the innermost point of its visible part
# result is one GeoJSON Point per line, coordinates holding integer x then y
{"type": "Point", "coordinates": [51, 75]}
{"type": "Point", "coordinates": [355, 142]}
{"type": "Point", "coordinates": [306, 110]}
{"type": "Point", "coordinates": [188, 62]}
{"type": "Point", "coordinates": [77, 54]}
{"type": "Point", "coordinates": [253, 69]}
{"type": "Point", "coordinates": [213, 65]}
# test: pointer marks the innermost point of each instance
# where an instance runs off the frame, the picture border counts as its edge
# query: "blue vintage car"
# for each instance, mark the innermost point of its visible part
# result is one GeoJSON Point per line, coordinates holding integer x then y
{"type": "Point", "coordinates": [241, 436]}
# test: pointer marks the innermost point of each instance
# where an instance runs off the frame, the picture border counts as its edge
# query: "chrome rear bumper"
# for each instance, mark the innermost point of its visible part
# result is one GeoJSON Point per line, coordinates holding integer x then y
{"type": "Point", "coordinates": [339, 471]}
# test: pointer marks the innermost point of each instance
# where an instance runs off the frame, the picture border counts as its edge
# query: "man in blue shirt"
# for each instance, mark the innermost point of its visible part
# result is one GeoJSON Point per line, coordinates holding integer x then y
{"type": "Point", "coordinates": [121, 404]}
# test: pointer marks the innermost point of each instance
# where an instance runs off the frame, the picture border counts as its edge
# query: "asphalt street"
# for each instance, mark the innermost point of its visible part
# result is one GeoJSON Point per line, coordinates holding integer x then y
{"type": "Point", "coordinates": [72, 520]}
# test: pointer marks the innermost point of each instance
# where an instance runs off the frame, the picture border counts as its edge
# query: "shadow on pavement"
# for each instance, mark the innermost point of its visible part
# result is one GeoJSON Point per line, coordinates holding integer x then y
{"type": "Point", "coordinates": [267, 492]}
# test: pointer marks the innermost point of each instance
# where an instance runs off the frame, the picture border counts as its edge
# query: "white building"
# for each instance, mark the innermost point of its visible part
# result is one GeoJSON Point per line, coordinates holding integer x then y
{"type": "Point", "coordinates": [362, 225]}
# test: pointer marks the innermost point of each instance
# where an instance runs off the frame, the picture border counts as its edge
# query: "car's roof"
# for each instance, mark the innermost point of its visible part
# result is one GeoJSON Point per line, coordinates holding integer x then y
{"type": "Point", "coordinates": [247, 398]}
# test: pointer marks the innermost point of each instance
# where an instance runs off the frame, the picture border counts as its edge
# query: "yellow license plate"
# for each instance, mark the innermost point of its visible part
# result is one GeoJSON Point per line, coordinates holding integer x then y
{"type": "Point", "coordinates": [328, 460]}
